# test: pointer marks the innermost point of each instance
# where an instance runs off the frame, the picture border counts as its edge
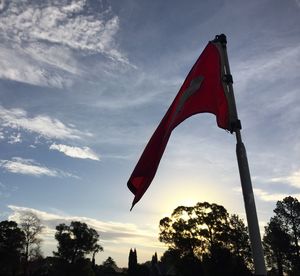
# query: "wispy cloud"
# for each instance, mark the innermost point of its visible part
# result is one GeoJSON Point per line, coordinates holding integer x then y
{"type": "Point", "coordinates": [293, 179]}
{"type": "Point", "coordinates": [76, 152]}
{"type": "Point", "coordinates": [26, 166]}
{"type": "Point", "coordinates": [109, 231]}
{"type": "Point", "coordinates": [30, 65]}
{"type": "Point", "coordinates": [269, 66]}
{"type": "Point", "coordinates": [19, 165]}
{"type": "Point", "coordinates": [40, 124]}
{"type": "Point", "coordinates": [267, 195]}
{"type": "Point", "coordinates": [45, 38]}
{"type": "Point", "coordinates": [112, 234]}
{"type": "Point", "coordinates": [272, 197]}
{"type": "Point", "coordinates": [2, 5]}
{"type": "Point", "coordinates": [15, 138]}
{"type": "Point", "coordinates": [297, 2]}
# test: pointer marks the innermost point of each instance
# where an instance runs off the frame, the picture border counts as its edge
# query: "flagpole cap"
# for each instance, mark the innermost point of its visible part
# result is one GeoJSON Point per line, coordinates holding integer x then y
{"type": "Point", "coordinates": [221, 38]}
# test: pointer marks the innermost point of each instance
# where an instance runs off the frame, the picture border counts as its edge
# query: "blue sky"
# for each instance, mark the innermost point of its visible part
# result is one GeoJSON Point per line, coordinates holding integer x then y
{"type": "Point", "coordinates": [84, 83]}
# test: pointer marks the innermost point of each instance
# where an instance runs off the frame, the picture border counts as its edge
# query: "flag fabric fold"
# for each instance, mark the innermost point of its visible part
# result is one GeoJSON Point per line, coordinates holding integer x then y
{"type": "Point", "coordinates": [202, 91]}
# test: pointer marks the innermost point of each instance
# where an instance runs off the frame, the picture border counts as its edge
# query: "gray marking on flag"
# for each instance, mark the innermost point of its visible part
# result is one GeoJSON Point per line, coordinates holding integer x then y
{"type": "Point", "coordinates": [193, 87]}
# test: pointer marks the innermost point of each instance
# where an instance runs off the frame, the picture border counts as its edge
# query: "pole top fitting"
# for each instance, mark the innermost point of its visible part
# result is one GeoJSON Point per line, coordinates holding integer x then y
{"type": "Point", "coordinates": [221, 38]}
{"type": "Point", "coordinates": [235, 125]}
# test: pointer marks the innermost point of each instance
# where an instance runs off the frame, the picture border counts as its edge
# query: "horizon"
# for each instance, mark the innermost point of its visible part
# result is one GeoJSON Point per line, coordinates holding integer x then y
{"type": "Point", "coordinates": [84, 84]}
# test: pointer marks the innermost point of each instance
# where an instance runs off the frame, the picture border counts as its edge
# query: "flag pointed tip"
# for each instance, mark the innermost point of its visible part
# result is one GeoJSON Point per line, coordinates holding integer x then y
{"type": "Point", "coordinates": [133, 203]}
{"type": "Point", "coordinates": [135, 200]}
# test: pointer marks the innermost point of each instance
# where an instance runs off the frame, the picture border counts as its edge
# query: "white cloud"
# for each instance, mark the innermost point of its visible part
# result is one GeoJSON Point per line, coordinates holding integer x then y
{"type": "Point", "coordinates": [15, 138]}
{"type": "Point", "coordinates": [37, 64]}
{"type": "Point", "coordinates": [293, 179]}
{"type": "Point", "coordinates": [56, 22]}
{"type": "Point", "coordinates": [19, 165]}
{"type": "Point", "coordinates": [41, 40]}
{"type": "Point", "coordinates": [267, 195]}
{"type": "Point", "coordinates": [26, 166]}
{"type": "Point", "coordinates": [41, 124]}
{"type": "Point", "coordinates": [76, 152]}
{"type": "Point", "coordinates": [272, 197]}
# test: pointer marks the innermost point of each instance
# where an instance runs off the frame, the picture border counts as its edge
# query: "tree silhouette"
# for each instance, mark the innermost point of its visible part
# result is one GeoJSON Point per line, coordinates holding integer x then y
{"type": "Point", "coordinates": [181, 231]}
{"type": "Point", "coordinates": [132, 263]}
{"type": "Point", "coordinates": [75, 241]}
{"type": "Point", "coordinates": [206, 231]}
{"type": "Point", "coordinates": [288, 213]}
{"type": "Point", "coordinates": [238, 239]}
{"type": "Point", "coordinates": [282, 237]}
{"type": "Point", "coordinates": [277, 246]}
{"type": "Point", "coordinates": [109, 265]}
{"type": "Point", "coordinates": [154, 259]}
{"type": "Point", "coordinates": [170, 260]}
{"type": "Point", "coordinates": [213, 222]}
{"type": "Point", "coordinates": [97, 248]}
{"type": "Point", "coordinates": [12, 240]}
{"type": "Point", "coordinates": [31, 225]}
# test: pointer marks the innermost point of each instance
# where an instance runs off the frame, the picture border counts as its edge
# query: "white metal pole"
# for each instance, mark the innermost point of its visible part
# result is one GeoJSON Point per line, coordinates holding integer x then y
{"type": "Point", "coordinates": [255, 239]}
{"type": "Point", "coordinates": [254, 233]}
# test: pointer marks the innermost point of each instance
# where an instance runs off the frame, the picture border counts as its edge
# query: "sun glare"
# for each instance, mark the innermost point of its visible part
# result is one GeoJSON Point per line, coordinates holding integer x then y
{"type": "Point", "coordinates": [189, 196]}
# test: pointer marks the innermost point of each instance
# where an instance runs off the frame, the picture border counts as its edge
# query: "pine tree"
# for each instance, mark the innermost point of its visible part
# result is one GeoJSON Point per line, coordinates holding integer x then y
{"type": "Point", "coordinates": [132, 263]}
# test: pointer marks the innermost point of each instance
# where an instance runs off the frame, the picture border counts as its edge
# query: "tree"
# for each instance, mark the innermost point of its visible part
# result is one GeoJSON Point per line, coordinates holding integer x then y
{"type": "Point", "coordinates": [109, 265]}
{"type": "Point", "coordinates": [12, 240]}
{"type": "Point", "coordinates": [97, 248]}
{"type": "Point", "coordinates": [170, 260]}
{"type": "Point", "coordinates": [132, 263]}
{"type": "Point", "coordinates": [277, 247]}
{"type": "Point", "coordinates": [239, 243]}
{"type": "Point", "coordinates": [288, 214]}
{"type": "Point", "coordinates": [75, 241]}
{"type": "Point", "coordinates": [194, 230]}
{"type": "Point", "coordinates": [213, 222]}
{"type": "Point", "coordinates": [31, 225]}
{"type": "Point", "coordinates": [282, 237]}
{"type": "Point", "coordinates": [207, 230]}
{"type": "Point", "coordinates": [180, 231]}
{"type": "Point", "coordinates": [221, 261]}
{"type": "Point", "coordinates": [154, 259]}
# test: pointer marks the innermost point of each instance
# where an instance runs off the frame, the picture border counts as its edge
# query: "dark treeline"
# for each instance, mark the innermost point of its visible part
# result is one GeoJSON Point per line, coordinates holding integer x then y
{"type": "Point", "coordinates": [281, 239]}
{"type": "Point", "coordinates": [202, 240]}
{"type": "Point", "coordinates": [206, 240]}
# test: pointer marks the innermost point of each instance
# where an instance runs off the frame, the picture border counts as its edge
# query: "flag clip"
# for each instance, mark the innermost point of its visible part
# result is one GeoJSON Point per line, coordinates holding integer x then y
{"type": "Point", "coordinates": [235, 125]}
{"type": "Point", "coordinates": [228, 78]}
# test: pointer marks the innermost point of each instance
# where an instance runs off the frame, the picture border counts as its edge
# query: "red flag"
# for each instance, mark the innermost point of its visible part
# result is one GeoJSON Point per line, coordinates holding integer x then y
{"type": "Point", "coordinates": [202, 91]}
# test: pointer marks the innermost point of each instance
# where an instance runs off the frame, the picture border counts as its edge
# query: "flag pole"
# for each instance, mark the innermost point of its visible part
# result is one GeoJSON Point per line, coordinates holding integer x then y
{"type": "Point", "coordinates": [254, 233]}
